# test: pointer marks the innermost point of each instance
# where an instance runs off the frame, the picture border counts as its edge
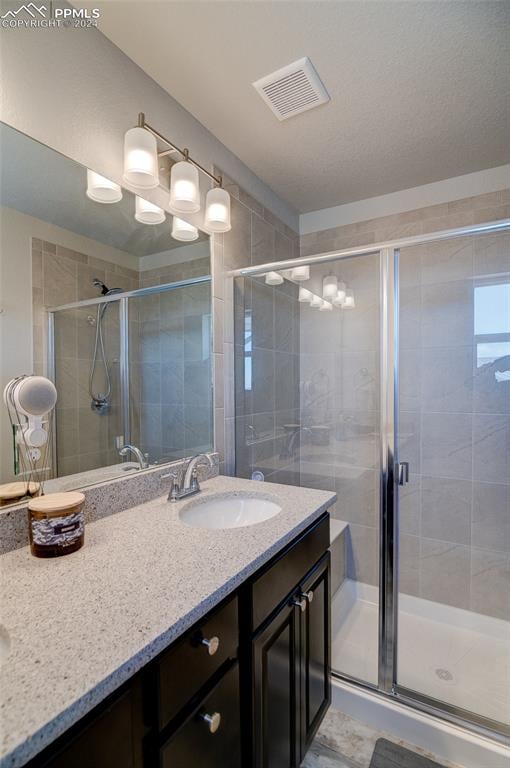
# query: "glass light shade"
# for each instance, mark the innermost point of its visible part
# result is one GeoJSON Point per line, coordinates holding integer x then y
{"type": "Point", "coordinates": [300, 274]}
{"type": "Point", "coordinates": [183, 231]}
{"type": "Point", "coordinates": [349, 302]}
{"type": "Point", "coordinates": [305, 295]}
{"type": "Point", "coordinates": [273, 278]}
{"type": "Point", "coordinates": [184, 188]}
{"type": "Point", "coordinates": [342, 288]}
{"type": "Point", "coordinates": [339, 299]}
{"type": "Point", "coordinates": [329, 286]}
{"type": "Point", "coordinates": [141, 159]}
{"type": "Point", "coordinates": [217, 210]}
{"type": "Point", "coordinates": [148, 213]}
{"type": "Point", "coordinates": [316, 302]}
{"type": "Point", "coordinates": [326, 306]}
{"type": "Point", "coordinates": [102, 190]}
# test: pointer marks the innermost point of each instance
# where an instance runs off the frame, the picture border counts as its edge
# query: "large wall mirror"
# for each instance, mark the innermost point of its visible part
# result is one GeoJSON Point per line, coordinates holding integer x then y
{"type": "Point", "coordinates": [115, 310]}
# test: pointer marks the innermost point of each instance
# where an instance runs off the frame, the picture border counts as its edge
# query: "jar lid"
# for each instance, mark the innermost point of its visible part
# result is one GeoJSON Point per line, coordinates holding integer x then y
{"type": "Point", "coordinates": [55, 502]}
{"type": "Point", "coordinates": [17, 489]}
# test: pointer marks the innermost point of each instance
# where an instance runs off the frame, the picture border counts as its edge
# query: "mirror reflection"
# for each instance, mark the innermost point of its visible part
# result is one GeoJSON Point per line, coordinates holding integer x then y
{"type": "Point", "coordinates": [109, 298]}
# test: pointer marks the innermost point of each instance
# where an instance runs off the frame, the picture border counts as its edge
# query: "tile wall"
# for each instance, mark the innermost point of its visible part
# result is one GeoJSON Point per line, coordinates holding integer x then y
{"type": "Point", "coordinates": [256, 237]}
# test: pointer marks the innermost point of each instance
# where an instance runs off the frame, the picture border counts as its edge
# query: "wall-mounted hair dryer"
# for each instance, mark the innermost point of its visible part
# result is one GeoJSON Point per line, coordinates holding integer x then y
{"type": "Point", "coordinates": [29, 399]}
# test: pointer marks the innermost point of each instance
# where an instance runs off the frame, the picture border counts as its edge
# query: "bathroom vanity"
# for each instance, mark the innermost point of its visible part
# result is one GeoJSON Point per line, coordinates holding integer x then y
{"type": "Point", "coordinates": [236, 670]}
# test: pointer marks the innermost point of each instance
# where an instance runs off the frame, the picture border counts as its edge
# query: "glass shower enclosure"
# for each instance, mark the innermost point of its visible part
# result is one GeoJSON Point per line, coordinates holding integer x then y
{"type": "Point", "coordinates": [135, 368]}
{"type": "Point", "coordinates": [399, 401]}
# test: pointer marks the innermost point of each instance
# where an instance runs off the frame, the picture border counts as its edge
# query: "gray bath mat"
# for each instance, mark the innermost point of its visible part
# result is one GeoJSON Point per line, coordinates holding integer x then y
{"type": "Point", "coordinates": [389, 755]}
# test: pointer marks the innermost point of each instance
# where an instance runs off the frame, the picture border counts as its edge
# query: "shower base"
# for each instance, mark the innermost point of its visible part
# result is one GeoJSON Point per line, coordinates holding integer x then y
{"type": "Point", "coordinates": [447, 653]}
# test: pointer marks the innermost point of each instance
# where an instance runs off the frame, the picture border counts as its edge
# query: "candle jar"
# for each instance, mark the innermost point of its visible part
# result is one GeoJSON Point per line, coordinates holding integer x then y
{"type": "Point", "coordinates": [56, 524]}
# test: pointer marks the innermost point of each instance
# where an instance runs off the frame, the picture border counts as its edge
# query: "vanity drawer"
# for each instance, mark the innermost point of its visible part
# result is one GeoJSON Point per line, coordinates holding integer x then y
{"type": "Point", "coordinates": [194, 745]}
{"type": "Point", "coordinates": [188, 665]}
{"type": "Point", "coordinates": [277, 581]}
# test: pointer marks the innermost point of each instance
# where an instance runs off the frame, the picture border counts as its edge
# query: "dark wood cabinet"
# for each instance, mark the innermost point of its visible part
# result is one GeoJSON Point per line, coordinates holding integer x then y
{"type": "Point", "coordinates": [210, 736]}
{"type": "Point", "coordinates": [276, 685]}
{"type": "Point", "coordinates": [291, 673]}
{"type": "Point", "coordinates": [315, 652]}
{"type": "Point", "coordinates": [246, 687]}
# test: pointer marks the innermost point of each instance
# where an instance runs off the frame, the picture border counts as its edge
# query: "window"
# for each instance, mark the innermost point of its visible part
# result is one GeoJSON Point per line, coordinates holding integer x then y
{"type": "Point", "coordinates": [492, 327]}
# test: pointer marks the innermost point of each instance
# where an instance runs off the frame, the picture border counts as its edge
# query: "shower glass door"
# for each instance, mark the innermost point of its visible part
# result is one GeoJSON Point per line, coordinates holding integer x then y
{"type": "Point", "coordinates": [88, 415]}
{"type": "Point", "coordinates": [307, 409]}
{"type": "Point", "coordinates": [454, 513]}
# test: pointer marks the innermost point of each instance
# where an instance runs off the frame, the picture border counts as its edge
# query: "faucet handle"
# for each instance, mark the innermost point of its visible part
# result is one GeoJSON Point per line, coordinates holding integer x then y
{"type": "Point", "coordinates": [173, 493]}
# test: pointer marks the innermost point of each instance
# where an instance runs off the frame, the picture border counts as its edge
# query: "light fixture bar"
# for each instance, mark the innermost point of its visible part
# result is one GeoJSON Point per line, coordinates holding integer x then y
{"type": "Point", "coordinates": [184, 152]}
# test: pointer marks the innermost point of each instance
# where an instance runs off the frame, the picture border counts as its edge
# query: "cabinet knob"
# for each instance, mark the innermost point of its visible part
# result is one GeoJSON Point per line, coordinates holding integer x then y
{"type": "Point", "coordinates": [301, 604]}
{"type": "Point", "coordinates": [212, 645]}
{"type": "Point", "coordinates": [307, 595]}
{"type": "Point", "coordinates": [213, 721]}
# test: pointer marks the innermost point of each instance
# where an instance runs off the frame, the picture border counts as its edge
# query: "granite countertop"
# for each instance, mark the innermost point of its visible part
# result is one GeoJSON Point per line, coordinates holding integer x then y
{"type": "Point", "coordinates": [81, 625]}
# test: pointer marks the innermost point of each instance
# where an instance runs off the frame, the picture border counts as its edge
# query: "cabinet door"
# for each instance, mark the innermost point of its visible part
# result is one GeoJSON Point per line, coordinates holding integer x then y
{"type": "Point", "coordinates": [276, 738]}
{"type": "Point", "coordinates": [316, 651]}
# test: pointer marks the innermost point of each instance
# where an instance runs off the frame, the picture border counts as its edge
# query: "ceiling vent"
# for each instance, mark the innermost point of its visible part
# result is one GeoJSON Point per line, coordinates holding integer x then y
{"type": "Point", "coordinates": [292, 89]}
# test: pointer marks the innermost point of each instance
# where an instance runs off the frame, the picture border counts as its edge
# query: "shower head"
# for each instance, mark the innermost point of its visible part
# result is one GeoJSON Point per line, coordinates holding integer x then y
{"type": "Point", "coordinates": [105, 291]}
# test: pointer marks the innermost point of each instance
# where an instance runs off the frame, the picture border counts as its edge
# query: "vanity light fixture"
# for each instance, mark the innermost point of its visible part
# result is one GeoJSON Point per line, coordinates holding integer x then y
{"type": "Point", "coordinates": [184, 188]}
{"type": "Point", "coordinates": [183, 231]}
{"type": "Point", "coordinates": [217, 210]}
{"type": "Point", "coordinates": [329, 286]}
{"type": "Point", "coordinates": [300, 274]}
{"type": "Point", "coordinates": [349, 302]}
{"type": "Point", "coordinates": [316, 302]}
{"type": "Point", "coordinates": [141, 158]}
{"type": "Point", "coordinates": [305, 296]}
{"type": "Point", "coordinates": [141, 170]}
{"type": "Point", "coordinates": [273, 278]}
{"type": "Point", "coordinates": [326, 306]}
{"type": "Point", "coordinates": [148, 213]}
{"type": "Point", "coordinates": [101, 189]}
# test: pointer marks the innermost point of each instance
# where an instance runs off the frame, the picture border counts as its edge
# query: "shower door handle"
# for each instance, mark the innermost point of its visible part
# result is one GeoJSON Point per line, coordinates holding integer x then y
{"type": "Point", "coordinates": [403, 472]}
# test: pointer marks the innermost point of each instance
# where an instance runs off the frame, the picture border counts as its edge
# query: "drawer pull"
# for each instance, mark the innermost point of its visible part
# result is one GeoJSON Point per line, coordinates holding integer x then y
{"type": "Point", "coordinates": [213, 721]}
{"type": "Point", "coordinates": [307, 596]}
{"type": "Point", "coordinates": [301, 604]}
{"type": "Point", "coordinates": [212, 645]}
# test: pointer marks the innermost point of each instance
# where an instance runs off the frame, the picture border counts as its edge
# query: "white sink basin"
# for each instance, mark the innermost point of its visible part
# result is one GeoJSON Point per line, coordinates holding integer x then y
{"type": "Point", "coordinates": [228, 511]}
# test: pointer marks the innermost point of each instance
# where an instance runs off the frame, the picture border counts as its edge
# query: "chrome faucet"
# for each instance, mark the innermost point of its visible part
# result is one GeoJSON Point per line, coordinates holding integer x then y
{"type": "Point", "coordinates": [187, 484]}
{"type": "Point", "coordinates": [142, 459]}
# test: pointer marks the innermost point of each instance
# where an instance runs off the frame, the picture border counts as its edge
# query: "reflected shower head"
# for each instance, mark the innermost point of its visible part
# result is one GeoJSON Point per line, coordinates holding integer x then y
{"type": "Point", "coordinates": [105, 291]}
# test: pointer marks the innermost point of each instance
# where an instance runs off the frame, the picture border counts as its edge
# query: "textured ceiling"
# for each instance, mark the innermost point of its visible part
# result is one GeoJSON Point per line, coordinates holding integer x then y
{"type": "Point", "coordinates": [40, 182]}
{"type": "Point", "coordinates": [419, 90]}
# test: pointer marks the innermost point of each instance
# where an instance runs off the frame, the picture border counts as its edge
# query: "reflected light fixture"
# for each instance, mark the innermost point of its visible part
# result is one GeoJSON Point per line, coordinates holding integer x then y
{"type": "Point", "coordinates": [326, 306]}
{"type": "Point", "coordinates": [101, 189]}
{"type": "Point", "coordinates": [329, 286]}
{"type": "Point", "coordinates": [305, 296]}
{"type": "Point", "coordinates": [148, 213]}
{"type": "Point", "coordinates": [349, 302]}
{"type": "Point", "coordinates": [217, 210]}
{"type": "Point", "coordinates": [300, 274]}
{"type": "Point", "coordinates": [183, 231]}
{"type": "Point", "coordinates": [141, 158]}
{"type": "Point", "coordinates": [316, 302]}
{"type": "Point", "coordinates": [274, 278]}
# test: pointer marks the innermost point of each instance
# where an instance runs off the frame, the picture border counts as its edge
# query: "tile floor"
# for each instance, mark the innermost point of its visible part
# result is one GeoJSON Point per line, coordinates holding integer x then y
{"type": "Point", "coordinates": [343, 742]}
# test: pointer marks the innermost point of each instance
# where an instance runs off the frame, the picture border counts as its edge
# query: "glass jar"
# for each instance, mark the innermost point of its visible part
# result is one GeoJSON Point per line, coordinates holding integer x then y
{"type": "Point", "coordinates": [56, 524]}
